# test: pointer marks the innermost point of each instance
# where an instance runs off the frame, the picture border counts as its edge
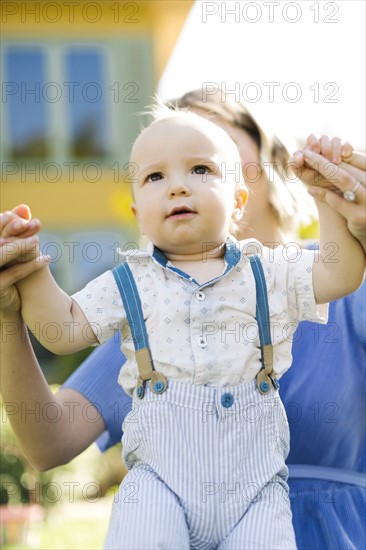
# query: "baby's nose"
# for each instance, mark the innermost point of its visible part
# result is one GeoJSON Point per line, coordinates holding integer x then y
{"type": "Point", "coordinates": [178, 188]}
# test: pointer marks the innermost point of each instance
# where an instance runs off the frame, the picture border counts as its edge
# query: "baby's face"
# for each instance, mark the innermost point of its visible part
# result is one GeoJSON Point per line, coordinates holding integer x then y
{"type": "Point", "coordinates": [188, 184]}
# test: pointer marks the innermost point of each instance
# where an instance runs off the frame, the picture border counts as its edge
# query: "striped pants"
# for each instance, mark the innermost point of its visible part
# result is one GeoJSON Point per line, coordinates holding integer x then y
{"type": "Point", "coordinates": [206, 471]}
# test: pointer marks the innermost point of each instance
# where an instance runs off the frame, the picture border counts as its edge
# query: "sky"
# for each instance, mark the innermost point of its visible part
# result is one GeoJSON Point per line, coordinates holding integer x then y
{"type": "Point", "coordinates": [298, 66]}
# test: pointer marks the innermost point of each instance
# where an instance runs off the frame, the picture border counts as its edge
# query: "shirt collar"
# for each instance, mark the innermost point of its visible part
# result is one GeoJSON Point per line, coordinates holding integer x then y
{"type": "Point", "coordinates": [232, 253]}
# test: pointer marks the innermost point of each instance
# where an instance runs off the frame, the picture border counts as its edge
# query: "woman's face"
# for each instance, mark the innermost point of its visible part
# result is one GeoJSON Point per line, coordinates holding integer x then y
{"type": "Point", "coordinates": [259, 220]}
{"type": "Point", "coordinates": [248, 149]}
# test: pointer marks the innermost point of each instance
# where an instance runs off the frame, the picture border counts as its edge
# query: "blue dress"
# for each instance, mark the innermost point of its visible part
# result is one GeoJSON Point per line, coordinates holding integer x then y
{"type": "Point", "coordinates": [324, 396]}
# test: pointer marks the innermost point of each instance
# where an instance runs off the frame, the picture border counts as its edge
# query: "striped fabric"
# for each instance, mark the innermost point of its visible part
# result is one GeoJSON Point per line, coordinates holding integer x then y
{"type": "Point", "coordinates": [203, 475]}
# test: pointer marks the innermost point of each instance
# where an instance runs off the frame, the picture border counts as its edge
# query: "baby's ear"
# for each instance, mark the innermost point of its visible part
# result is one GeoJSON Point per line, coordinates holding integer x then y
{"type": "Point", "coordinates": [134, 210]}
{"type": "Point", "coordinates": [241, 197]}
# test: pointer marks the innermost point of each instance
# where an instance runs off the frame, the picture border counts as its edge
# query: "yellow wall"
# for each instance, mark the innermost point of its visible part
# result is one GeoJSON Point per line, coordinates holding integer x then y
{"type": "Point", "coordinates": [163, 18]}
{"type": "Point", "coordinates": [82, 203]}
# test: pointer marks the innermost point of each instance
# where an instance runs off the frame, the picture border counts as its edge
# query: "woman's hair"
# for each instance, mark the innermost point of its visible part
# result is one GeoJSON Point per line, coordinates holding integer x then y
{"type": "Point", "coordinates": [291, 204]}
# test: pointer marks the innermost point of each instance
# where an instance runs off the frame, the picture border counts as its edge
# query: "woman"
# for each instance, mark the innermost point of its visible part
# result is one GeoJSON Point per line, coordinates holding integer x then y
{"type": "Point", "coordinates": [326, 501]}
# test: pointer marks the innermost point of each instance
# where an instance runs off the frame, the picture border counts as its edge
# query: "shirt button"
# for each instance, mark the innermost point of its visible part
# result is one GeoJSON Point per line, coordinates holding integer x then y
{"type": "Point", "coordinates": [203, 342]}
{"type": "Point", "coordinates": [200, 295]}
{"type": "Point", "coordinates": [227, 400]}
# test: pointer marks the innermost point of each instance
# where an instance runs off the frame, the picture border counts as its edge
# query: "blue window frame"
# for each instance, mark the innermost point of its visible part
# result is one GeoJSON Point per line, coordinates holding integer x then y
{"type": "Point", "coordinates": [27, 116]}
{"type": "Point", "coordinates": [86, 107]}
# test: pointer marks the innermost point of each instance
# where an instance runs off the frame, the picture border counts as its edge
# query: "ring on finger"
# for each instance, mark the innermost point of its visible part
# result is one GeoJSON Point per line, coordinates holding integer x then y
{"type": "Point", "coordinates": [350, 196]}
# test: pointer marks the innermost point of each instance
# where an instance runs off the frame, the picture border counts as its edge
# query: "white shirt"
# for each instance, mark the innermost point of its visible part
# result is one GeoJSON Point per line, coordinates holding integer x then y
{"type": "Point", "coordinates": [207, 334]}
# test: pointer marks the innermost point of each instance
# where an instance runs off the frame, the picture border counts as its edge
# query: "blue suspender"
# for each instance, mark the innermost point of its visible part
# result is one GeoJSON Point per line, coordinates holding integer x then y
{"type": "Point", "coordinates": [266, 375]}
{"type": "Point", "coordinates": [132, 304]}
{"type": "Point", "coordinates": [262, 310]}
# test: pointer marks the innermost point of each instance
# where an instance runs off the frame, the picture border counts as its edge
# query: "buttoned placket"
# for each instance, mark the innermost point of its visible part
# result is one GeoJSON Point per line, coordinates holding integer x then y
{"type": "Point", "coordinates": [199, 344]}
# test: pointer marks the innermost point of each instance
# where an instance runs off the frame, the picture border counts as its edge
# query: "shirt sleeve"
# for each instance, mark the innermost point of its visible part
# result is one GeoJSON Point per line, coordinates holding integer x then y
{"type": "Point", "coordinates": [96, 379]}
{"type": "Point", "coordinates": [102, 305]}
{"type": "Point", "coordinates": [290, 270]}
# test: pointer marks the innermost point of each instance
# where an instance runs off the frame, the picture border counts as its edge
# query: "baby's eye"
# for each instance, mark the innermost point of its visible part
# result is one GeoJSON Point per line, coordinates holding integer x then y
{"type": "Point", "coordinates": [200, 169]}
{"type": "Point", "coordinates": [155, 176]}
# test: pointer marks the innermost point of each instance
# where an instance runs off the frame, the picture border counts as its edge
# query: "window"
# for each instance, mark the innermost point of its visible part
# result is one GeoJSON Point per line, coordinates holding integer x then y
{"type": "Point", "coordinates": [74, 101]}
{"type": "Point", "coordinates": [86, 112]}
{"type": "Point", "coordinates": [26, 114]}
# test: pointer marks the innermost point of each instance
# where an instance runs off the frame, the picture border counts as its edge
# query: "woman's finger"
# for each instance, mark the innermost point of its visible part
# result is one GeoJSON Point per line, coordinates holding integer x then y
{"type": "Point", "coordinates": [17, 249]}
{"type": "Point", "coordinates": [17, 272]}
{"type": "Point", "coordinates": [18, 222]}
{"type": "Point", "coordinates": [349, 210]}
{"type": "Point", "coordinates": [357, 173]}
{"type": "Point", "coordinates": [21, 228]}
{"type": "Point", "coordinates": [9, 298]}
{"type": "Point", "coordinates": [296, 160]}
{"type": "Point", "coordinates": [326, 147]}
{"type": "Point", "coordinates": [11, 223]}
{"type": "Point", "coordinates": [356, 159]}
{"type": "Point", "coordinates": [333, 175]}
{"type": "Point", "coordinates": [347, 150]}
{"type": "Point", "coordinates": [313, 143]}
{"type": "Point", "coordinates": [353, 212]}
{"type": "Point", "coordinates": [5, 218]}
{"type": "Point", "coordinates": [336, 147]}
{"type": "Point", "coordinates": [23, 211]}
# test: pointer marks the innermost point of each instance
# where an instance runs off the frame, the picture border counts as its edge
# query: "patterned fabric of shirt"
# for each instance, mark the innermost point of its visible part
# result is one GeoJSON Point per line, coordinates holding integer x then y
{"type": "Point", "coordinates": [207, 333]}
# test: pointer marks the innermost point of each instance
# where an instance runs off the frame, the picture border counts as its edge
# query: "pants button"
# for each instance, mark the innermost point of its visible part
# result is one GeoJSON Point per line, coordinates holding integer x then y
{"type": "Point", "coordinates": [227, 400]}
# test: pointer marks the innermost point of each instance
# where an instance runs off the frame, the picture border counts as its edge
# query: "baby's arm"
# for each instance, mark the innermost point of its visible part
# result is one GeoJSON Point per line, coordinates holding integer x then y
{"type": "Point", "coordinates": [53, 317]}
{"type": "Point", "coordinates": [56, 320]}
{"type": "Point", "coordinates": [340, 267]}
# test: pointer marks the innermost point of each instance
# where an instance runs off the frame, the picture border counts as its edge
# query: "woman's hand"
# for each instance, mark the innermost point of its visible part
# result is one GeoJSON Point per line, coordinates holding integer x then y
{"type": "Point", "coordinates": [19, 255]}
{"type": "Point", "coordinates": [331, 169]}
{"type": "Point", "coordinates": [18, 222]}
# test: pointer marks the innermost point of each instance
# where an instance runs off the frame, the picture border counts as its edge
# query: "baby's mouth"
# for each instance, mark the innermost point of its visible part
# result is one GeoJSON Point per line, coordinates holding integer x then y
{"type": "Point", "coordinates": [181, 212]}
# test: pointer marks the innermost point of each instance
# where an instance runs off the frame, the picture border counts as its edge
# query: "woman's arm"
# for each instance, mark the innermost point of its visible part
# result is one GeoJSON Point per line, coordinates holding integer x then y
{"type": "Point", "coordinates": [28, 400]}
{"type": "Point", "coordinates": [342, 226]}
{"type": "Point", "coordinates": [353, 212]}
{"type": "Point", "coordinates": [97, 380]}
{"type": "Point", "coordinates": [332, 276]}
{"type": "Point", "coordinates": [52, 429]}
{"type": "Point", "coordinates": [32, 408]}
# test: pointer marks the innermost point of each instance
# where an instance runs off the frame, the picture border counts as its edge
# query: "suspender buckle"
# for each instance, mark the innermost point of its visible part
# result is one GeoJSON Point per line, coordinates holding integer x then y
{"type": "Point", "coordinates": [144, 363]}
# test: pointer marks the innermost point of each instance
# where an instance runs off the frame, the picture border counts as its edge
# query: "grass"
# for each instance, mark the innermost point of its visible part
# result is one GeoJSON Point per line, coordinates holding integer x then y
{"type": "Point", "coordinates": [72, 526]}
